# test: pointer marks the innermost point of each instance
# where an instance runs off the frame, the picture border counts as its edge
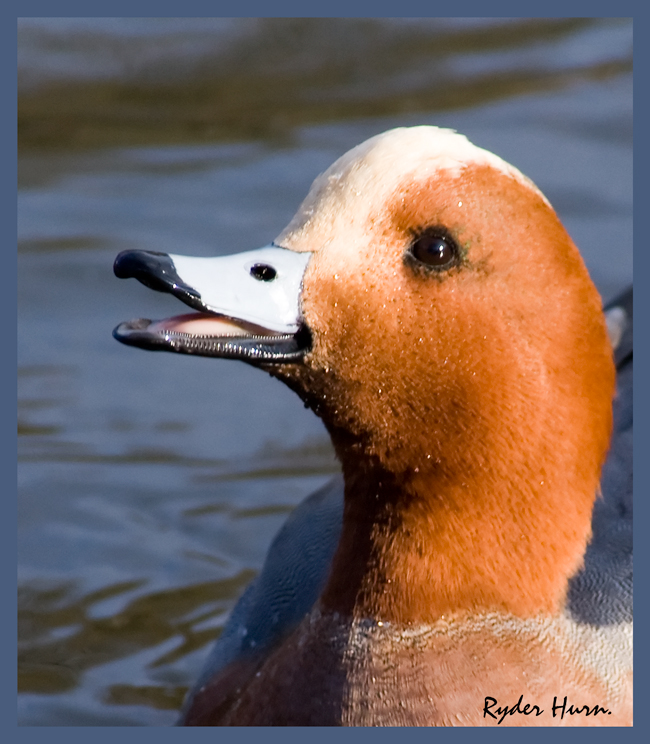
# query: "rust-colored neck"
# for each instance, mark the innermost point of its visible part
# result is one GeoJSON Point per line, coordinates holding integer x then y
{"type": "Point", "coordinates": [419, 547]}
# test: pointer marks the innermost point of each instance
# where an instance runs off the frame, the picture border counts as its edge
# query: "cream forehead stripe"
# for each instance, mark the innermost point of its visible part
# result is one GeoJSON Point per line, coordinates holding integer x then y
{"type": "Point", "coordinates": [403, 150]}
{"type": "Point", "coordinates": [370, 170]}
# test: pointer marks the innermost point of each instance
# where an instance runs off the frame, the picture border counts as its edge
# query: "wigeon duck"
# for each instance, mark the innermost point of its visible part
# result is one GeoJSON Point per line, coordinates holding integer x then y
{"type": "Point", "coordinates": [427, 304]}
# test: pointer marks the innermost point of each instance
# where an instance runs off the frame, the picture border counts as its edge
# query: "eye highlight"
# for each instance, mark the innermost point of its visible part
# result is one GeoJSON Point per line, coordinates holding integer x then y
{"type": "Point", "coordinates": [436, 249]}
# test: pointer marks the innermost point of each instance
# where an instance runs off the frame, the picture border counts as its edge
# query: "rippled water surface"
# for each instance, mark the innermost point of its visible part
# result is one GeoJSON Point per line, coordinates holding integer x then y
{"type": "Point", "coordinates": [152, 484]}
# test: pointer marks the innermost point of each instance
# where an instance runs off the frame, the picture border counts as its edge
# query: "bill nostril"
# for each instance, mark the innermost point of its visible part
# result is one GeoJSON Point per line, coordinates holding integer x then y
{"type": "Point", "coordinates": [263, 272]}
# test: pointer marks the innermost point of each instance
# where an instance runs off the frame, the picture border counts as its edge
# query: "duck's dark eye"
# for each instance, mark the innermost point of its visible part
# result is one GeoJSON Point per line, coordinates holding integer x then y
{"type": "Point", "coordinates": [437, 251]}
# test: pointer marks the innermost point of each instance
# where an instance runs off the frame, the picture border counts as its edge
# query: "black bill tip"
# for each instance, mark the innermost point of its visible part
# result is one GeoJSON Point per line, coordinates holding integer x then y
{"type": "Point", "coordinates": [156, 271]}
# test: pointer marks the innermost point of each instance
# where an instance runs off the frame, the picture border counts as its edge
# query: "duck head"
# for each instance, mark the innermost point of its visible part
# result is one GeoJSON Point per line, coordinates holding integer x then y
{"type": "Point", "coordinates": [430, 307]}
